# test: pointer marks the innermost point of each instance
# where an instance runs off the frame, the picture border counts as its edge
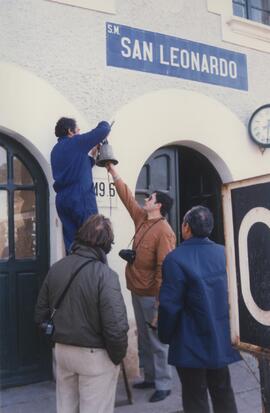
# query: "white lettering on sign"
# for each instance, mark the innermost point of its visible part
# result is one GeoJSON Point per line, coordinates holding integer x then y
{"type": "Point", "coordinates": [152, 52]}
{"type": "Point", "coordinates": [254, 216]}
{"type": "Point", "coordinates": [113, 29]}
{"type": "Point", "coordinates": [175, 57]}
{"type": "Point", "coordinates": [105, 193]}
{"type": "Point", "coordinates": [138, 50]}
{"type": "Point", "coordinates": [162, 60]}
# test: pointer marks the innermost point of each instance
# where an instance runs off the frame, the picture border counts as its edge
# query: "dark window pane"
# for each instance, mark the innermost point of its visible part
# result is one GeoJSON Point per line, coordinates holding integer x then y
{"type": "Point", "coordinates": [4, 249]}
{"type": "Point", "coordinates": [256, 10]}
{"type": "Point", "coordinates": [239, 10]}
{"type": "Point", "coordinates": [261, 4]}
{"type": "Point", "coordinates": [260, 16]}
{"type": "Point", "coordinates": [21, 173]}
{"type": "Point", "coordinates": [3, 165]}
{"type": "Point", "coordinates": [25, 224]}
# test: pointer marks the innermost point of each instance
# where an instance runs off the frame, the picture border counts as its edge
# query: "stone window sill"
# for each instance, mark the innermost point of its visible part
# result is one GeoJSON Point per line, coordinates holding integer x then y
{"type": "Point", "coordinates": [238, 30]}
{"type": "Point", "coordinates": [249, 28]}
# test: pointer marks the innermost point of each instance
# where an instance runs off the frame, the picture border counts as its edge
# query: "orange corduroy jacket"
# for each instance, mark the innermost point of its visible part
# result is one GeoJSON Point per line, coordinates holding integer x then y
{"type": "Point", "coordinates": [144, 275]}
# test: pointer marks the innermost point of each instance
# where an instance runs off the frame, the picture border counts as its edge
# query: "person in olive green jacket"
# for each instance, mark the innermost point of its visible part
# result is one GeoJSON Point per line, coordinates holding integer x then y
{"type": "Point", "coordinates": [90, 324]}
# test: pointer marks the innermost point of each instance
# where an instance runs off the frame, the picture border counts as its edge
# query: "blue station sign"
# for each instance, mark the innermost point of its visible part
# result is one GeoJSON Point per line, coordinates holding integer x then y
{"type": "Point", "coordinates": [151, 52]}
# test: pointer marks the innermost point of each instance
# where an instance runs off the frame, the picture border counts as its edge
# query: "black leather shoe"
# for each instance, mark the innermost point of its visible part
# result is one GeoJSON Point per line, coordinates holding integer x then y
{"type": "Point", "coordinates": [144, 385]}
{"type": "Point", "coordinates": [159, 395]}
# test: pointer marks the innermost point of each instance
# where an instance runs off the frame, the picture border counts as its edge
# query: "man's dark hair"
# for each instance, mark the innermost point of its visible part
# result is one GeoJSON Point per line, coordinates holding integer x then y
{"type": "Point", "coordinates": [165, 200]}
{"type": "Point", "coordinates": [96, 232]}
{"type": "Point", "coordinates": [63, 125]}
{"type": "Point", "coordinates": [200, 220]}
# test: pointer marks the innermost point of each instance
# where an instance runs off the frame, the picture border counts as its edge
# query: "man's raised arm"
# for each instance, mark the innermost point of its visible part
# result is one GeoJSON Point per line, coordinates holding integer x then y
{"type": "Point", "coordinates": [125, 194]}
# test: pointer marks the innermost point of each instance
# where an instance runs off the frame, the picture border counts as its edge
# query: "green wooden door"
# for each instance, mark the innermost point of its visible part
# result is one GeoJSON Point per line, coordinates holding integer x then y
{"type": "Point", "coordinates": [24, 261]}
{"type": "Point", "coordinates": [200, 184]}
{"type": "Point", "coordinates": [189, 178]}
{"type": "Point", "coordinates": [160, 172]}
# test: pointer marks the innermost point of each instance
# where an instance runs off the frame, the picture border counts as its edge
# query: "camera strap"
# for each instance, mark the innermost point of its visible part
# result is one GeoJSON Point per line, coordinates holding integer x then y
{"type": "Point", "coordinates": [143, 235]}
{"type": "Point", "coordinates": [135, 234]}
{"type": "Point", "coordinates": [60, 299]}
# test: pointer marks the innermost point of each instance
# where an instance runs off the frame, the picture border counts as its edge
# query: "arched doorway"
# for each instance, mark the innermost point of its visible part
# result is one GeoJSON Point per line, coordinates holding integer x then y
{"type": "Point", "coordinates": [24, 261]}
{"type": "Point", "coordinates": [189, 178]}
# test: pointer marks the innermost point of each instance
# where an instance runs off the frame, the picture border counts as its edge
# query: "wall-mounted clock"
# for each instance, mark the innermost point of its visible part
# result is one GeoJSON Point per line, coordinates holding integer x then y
{"type": "Point", "coordinates": [259, 126]}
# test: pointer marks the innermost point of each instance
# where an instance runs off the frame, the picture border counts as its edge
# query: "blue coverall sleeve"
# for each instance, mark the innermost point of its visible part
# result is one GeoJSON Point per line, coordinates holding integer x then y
{"type": "Point", "coordinates": [171, 298]}
{"type": "Point", "coordinates": [87, 141]}
{"type": "Point", "coordinates": [92, 161]}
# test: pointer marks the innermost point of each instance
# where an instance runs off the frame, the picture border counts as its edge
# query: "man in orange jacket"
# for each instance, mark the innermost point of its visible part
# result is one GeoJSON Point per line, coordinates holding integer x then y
{"type": "Point", "coordinates": [154, 239]}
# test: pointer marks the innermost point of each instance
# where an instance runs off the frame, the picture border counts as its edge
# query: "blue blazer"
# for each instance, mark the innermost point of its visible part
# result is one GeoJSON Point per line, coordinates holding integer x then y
{"type": "Point", "coordinates": [193, 310]}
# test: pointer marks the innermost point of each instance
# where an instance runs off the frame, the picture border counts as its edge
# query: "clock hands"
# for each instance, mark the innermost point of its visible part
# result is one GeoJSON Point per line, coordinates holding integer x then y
{"type": "Point", "coordinates": [268, 131]}
{"type": "Point", "coordinates": [267, 127]}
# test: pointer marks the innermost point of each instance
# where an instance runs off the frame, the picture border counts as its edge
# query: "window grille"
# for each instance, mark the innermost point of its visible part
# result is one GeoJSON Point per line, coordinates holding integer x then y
{"type": "Point", "coordinates": [256, 10]}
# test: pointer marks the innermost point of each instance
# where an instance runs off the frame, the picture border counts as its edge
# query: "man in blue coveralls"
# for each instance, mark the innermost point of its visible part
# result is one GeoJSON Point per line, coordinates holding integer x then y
{"type": "Point", "coordinates": [72, 174]}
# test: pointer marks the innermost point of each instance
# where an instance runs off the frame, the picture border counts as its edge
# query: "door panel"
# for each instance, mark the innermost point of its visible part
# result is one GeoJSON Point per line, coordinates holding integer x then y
{"type": "Point", "coordinates": [24, 261]}
{"type": "Point", "coordinates": [189, 178]}
{"type": "Point", "coordinates": [4, 317]}
{"type": "Point", "coordinates": [28, 341]}
{"type": "Point", "coordinates": [200, 184]}
{"type": "Point", "coordinates": [160, 173]}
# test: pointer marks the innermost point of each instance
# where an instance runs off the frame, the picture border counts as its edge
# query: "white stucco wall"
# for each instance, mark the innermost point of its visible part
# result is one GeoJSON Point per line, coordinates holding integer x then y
{"type": "Point", "coordinates": [66, 46]}
{"type": "Point", "coordinates": [54, 63]}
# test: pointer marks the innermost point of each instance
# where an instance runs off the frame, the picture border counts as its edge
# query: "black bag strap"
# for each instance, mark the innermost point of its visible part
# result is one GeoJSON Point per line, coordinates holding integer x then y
{"type": "Point", "coordinates": [145, 232]}
{"type": "Point", "coordinates": [137, 230]}
{"type": "Point", "coordinates": [60, 299]}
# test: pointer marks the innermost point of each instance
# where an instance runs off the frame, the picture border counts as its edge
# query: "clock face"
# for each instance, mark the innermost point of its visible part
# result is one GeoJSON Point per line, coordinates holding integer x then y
{"type": "Point", "coordinates": [259, 126]}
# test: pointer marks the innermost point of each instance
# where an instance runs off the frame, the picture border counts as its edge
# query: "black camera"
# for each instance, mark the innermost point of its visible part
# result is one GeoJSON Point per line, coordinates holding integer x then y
{"type": "Point", "coordinates": [47, 328]}
{"type": "Point", "coordinates": [128, 255]}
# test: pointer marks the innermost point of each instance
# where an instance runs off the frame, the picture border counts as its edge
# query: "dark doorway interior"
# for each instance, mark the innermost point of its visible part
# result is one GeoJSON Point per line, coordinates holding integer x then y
{"type": "Point", "coordinates": [24, 261]}
{"type": "Point", "coordinates": [189, 178]}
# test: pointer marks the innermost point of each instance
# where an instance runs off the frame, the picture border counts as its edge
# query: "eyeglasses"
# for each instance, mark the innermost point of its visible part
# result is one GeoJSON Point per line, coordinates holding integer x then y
{"type": "Point", "coordinates": [150, 198]}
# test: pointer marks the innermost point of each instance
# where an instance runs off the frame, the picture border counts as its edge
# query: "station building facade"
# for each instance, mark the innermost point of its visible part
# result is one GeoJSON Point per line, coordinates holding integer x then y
{"type": "Point", "coordinates": [180, 79]}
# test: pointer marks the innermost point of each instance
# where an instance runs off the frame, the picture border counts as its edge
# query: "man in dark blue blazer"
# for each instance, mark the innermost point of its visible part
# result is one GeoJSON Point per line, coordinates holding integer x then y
{"type": "Point", "coordinates": [194, 316]}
